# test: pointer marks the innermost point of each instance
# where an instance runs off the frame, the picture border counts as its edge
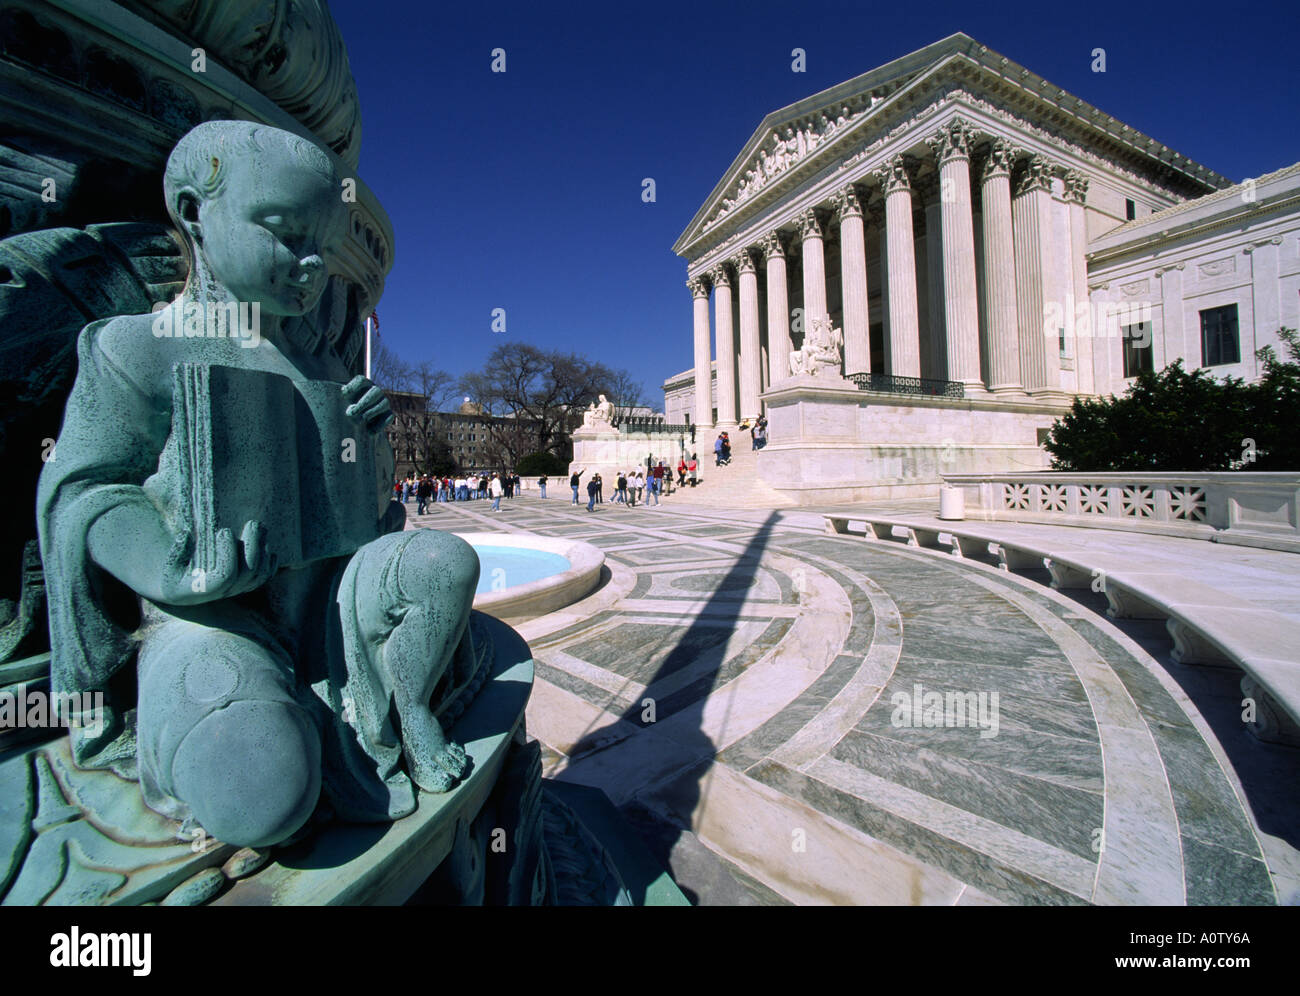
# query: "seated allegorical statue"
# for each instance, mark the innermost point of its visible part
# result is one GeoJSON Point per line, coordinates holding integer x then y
{"type": "Point", "coordinates": [821, 352]}
{"type": "Point", "coordinates": [223, 563]}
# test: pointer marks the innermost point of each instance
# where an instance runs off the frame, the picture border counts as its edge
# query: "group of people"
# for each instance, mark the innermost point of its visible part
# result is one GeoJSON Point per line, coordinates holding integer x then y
{"type": "Point", "coordinates": [428, 489]}
{"type": "Point", "coordinates": [639, 487]}
{"type": "Point", "coordinates": [758, 439]}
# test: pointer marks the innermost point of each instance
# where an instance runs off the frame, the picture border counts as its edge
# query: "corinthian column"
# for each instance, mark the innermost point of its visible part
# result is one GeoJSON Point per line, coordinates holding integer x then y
{"type": "Point", "coordinates": [853, 280]}
{"type": "Point", "coordinates": [703, 374]}
{"type": "Point", "coordinates": [1040, 364]}
{"type": "Point", "coordinates": [951, 147]}
{"type": "Point", "coordinates": [1000, 270]}
{"type": "Point", "coordinates": [904, 344]}
{"type": "Point", "coordinates": [814, 268]}
{"type": "Point", "coordinates": [778, 309]}
{"type": "Point", "coordinates": [751, 370]}
{"type": "Point", "coordinates": [725, 346]}
{"type": "Point", "coordinates": [1077, 326]}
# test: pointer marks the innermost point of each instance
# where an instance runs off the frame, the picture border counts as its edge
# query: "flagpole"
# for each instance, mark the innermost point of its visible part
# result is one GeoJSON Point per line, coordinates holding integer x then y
{"type": "Point", "coordinates": [368, 321]}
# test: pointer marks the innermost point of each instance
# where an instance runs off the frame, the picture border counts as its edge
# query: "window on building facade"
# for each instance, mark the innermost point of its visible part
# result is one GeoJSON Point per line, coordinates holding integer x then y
{"type": "Point", "coordinates": [1130, 210]}
{"type": "Point", "coordinates": [1219, 342]}
{"type": "Point", "coordinates": [1136, 341]}
{"type": "Point", "coordinates": [1060, 338]}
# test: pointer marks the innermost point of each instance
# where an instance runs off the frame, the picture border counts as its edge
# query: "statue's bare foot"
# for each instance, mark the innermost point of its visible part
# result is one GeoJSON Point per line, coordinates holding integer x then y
{"type": "Point", "coordinates": [438, 774]}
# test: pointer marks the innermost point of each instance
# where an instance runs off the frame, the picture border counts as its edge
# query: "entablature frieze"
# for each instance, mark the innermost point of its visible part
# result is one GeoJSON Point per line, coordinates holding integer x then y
{"type": "Point", "coordinates": [983, 124]}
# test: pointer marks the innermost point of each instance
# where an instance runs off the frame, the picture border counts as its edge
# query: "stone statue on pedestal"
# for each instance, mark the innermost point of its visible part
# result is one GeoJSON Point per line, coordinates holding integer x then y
{"type": "Point", "coordinates": [226, 576]}
{"type": "Point", "coordinates": [599, 415]}
{"type": "Point", "coordinates": [822, 350]}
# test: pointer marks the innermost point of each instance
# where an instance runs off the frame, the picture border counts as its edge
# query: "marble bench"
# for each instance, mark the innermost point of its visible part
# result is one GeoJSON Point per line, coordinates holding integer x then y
{"type": "Point", "coordinates": [1208, 626]}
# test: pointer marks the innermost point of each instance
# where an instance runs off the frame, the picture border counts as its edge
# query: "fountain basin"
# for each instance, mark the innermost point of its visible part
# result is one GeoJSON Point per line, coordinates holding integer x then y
{"type": "Point", "coordinates": [522, 576]}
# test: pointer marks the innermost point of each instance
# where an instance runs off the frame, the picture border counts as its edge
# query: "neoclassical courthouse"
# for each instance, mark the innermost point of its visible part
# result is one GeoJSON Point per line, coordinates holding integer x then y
{"type": "Point", "coordinates": [988, 246]}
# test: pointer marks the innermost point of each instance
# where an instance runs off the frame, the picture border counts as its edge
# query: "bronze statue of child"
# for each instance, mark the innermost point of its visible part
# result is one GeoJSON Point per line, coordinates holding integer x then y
{"type": "Point", "coordinates": [279, 655]}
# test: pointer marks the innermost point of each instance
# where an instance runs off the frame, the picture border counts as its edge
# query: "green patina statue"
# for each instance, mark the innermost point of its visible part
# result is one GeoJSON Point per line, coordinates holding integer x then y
{"type": "Point", "coordinates": [225, 572]}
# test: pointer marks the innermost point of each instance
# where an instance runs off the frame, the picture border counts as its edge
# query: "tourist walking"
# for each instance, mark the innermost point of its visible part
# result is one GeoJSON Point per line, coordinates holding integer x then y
{"type": "Point", "coordinates": [620, 494]}
{"type": "Point", "coordinates": [717, 452]}
{"type": "Point", "coordinates": [496, 488]}
{"type": "Point", "coordinates": [573, 483]}
{"type": "Point", "coordinates": [681, 472]}
{"type": "Point", "coordinates": [591, 494]}
{"type": "Point", "coordinates": [600, 489]}
{"type": "Point", "coordinates": [638, 486]}
{"type": "Point", "coordinates": [509, 485]}
{"type": "Point", "coordinates": [652, 487]}
{"type": "Point", "coordinates": [541, 485]}
{"type": "Point", "coordinates": [423, 492]}
{"type": "Point", "coordinates": [693, 467]}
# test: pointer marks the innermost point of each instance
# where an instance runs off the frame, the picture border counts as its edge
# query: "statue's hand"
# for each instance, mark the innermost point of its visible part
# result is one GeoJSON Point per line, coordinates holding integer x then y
{"type": "Point", "coordinates": [368, 403]}
{"type": "Point", "coordinates": [236, 571]}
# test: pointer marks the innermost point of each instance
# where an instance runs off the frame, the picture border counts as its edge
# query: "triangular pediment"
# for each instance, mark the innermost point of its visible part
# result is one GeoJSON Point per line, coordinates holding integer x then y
{"type": "Point", "coordinates": [779, 153]}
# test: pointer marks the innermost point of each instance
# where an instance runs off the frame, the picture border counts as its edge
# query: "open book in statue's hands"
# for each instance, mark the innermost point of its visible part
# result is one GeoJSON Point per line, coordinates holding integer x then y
{"type": "Point", "coordinates": [288, 467]}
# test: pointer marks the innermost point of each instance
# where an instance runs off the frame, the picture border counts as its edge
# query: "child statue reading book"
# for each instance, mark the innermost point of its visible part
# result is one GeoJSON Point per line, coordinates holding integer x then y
{"type": "Point", "coordinates": [223, 562]}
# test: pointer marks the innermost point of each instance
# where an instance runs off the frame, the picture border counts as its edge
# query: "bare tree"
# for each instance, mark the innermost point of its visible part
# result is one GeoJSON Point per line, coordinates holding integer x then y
{"type": "Point", "coordinates": [541, 391]}
{"type": "Point", "coordinates": [387, 369]}
{"type": "Point", "coordinates": [626, 394]}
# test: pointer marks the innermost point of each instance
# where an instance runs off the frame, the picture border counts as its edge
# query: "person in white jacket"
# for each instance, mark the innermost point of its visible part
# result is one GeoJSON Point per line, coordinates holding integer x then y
{"type": "Point", "coordinates": [496, 489]}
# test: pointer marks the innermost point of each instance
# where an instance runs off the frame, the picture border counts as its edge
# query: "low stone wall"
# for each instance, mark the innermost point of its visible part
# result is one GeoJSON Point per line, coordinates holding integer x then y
{"type": "Point", "coordinates": [608, 451]}
{"type": "Point", "coordinates": [830, 442]}
{"type": "Point", "coordinates": [1248, 509]}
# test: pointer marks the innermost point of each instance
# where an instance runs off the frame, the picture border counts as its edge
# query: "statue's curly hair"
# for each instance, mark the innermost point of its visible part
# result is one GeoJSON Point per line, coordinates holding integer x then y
{"type": "Point", "coordinates": [201, 159]}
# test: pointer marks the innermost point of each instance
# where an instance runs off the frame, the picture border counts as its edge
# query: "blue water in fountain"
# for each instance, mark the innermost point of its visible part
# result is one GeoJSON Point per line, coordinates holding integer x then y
{"type": "Point", "coordinates": [518, 564]}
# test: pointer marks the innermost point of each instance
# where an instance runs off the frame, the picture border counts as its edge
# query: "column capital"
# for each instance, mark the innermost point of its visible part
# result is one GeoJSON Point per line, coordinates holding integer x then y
{"type": "Point", "coordinates": [1076, 187]}
{"type": "Point", "coordinates": [743, 262]}
{"type": "Point", "coordinates": [771, 245]}
{"type": "Point", "coordinates": [952, 141]}
{"type": "Point", "coordinates": [720, 276]}
{"type": "Point", "coordinates": [892, 175]}
{"type": "Point", "coordinates": [698, 286]}
{"type": "Point", "coordinates": [847, 202]}
{"type": "Point", "coordinates": [809, 225]}
{"type": "Point", "coordinates": [1037, 175]}
{"type": "Point", "coordinates": [1001, 156]}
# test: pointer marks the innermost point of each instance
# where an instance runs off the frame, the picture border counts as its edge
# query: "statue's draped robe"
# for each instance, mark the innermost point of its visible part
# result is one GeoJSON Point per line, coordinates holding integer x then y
{"type": "Point", "coordinates": [112, 449]}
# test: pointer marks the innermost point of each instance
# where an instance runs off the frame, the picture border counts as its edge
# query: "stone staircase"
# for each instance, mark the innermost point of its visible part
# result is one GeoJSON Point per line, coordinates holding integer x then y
{"type": "Point", "coordinates": [737, 485]}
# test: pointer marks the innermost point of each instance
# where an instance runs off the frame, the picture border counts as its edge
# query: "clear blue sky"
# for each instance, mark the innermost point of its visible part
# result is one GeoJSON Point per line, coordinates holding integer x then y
{"type": "Point", "coordinates": [522, 190]}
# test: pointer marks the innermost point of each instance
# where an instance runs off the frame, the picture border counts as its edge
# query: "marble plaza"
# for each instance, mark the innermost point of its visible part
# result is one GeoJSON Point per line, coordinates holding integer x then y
{"type": "Point", "coordinates": [756, 697]}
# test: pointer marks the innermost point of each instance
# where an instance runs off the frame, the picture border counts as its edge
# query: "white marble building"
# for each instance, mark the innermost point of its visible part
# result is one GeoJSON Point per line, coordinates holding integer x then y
{"type": "Point", "coordinates": [980, 236]}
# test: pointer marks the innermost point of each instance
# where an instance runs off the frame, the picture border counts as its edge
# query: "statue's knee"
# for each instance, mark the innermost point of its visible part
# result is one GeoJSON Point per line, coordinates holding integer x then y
{"type": "Point", "coordinates": [439, 564]}
{"type": "Point", "coordinates": [250, 772]}
{"type": "Point", "coordinates": [220, 731]}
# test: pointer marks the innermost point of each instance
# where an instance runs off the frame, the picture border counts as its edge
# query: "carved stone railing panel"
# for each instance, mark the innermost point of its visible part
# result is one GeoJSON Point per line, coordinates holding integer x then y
{"type": "Point", "coordinates": [1247, 508]}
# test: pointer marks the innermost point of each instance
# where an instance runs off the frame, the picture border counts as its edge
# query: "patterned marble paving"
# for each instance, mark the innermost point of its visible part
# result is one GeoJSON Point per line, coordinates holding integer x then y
{"type": "Point", "coordinates": [1058, 764]}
